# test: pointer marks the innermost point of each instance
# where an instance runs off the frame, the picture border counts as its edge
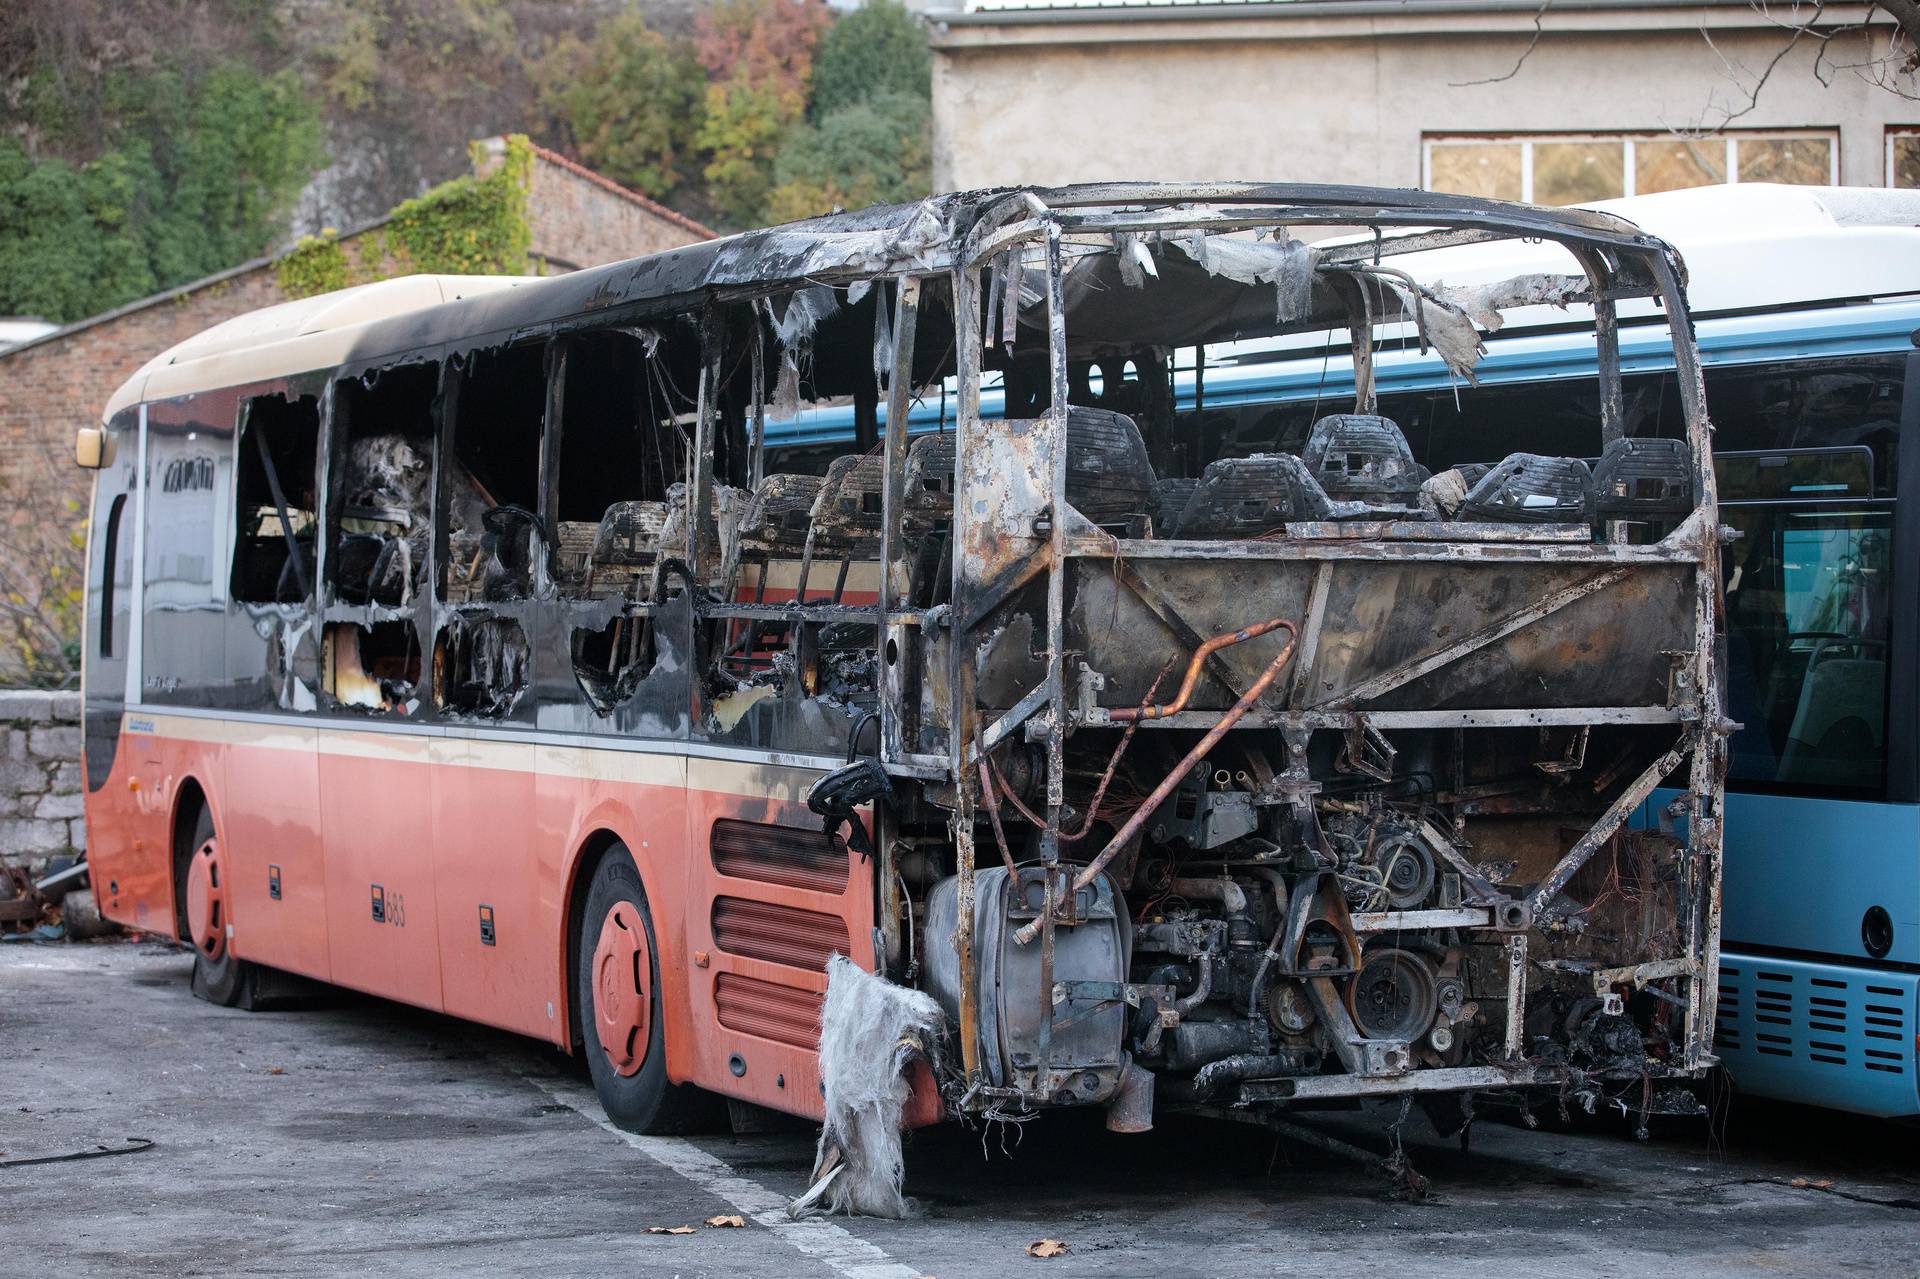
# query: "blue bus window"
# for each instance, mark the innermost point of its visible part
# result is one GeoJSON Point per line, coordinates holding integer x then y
{"type": "Point", "coordinates": [1807, 602]}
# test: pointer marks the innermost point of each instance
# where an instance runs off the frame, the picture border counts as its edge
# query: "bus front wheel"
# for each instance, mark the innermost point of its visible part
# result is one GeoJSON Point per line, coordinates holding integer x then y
{"type": "Point", "coordinates": [219, 976]}
{"type": "Point", "coordinates": [616, 986]}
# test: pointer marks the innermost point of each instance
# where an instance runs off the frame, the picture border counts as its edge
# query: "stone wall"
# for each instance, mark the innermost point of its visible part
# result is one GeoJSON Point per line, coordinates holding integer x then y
{"type": "Point", "coordinates": [41, 784]}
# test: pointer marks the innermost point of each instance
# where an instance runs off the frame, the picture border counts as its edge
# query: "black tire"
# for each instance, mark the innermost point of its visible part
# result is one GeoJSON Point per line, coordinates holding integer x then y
{"type": "Point", "coordinates": [645, 1101]}
{"type": "Point", "coordinates": [228, 980]}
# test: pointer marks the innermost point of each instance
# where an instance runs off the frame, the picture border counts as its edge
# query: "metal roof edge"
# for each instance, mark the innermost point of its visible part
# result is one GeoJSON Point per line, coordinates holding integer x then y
{"type": "Point", "coordinates": [1255, 9]}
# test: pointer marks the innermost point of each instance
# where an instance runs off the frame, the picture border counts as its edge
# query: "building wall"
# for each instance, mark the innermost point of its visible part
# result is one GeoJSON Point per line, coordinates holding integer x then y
{"type": "Point", "coordinates": [49, 390]}
{"type": "Point", "coordinates": [581, 219]}
{"type": "Point", "coordinates": [1348, 99]}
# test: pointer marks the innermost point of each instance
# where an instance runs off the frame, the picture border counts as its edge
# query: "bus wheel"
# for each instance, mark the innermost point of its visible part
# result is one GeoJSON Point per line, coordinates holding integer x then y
{"type": "Point", "coordinates": [616, 986]}
{"type": "Point", "coordinates": [219, 977]}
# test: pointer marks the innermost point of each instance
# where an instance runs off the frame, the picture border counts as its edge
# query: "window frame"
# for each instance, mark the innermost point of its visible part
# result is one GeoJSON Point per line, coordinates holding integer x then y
{"type": "Point", "coordinates": [1731, 137]}
{"type": "Point", "coordinates": [1890, 134]}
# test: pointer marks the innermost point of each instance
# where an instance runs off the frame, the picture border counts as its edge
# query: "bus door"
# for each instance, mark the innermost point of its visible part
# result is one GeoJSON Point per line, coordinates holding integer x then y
{"type": "Point", "coordinates": [128, 851]}
{"type": "Point", "coordinates": [1812, 843]}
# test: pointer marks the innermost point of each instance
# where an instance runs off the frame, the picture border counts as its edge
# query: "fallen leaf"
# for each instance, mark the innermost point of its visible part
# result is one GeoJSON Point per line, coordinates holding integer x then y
{"type": "Point", "coordinates": [669, 1230]}
{"type": "Point", "coordinates": [1047, 1248]}
{"type": "Point", "coordinates": [276, 1070]}
{"type": "Point", "coordinates": [728, 1222]}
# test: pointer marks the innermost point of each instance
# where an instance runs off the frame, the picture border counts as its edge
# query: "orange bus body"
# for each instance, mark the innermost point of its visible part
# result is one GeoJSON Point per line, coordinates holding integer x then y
{"type": "Point", "coordinates": [446, 825]}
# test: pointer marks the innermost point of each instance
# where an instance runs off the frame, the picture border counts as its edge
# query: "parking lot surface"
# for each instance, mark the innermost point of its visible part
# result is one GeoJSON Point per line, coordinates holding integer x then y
{"type": "Point", "coordinates": [359, 1137]}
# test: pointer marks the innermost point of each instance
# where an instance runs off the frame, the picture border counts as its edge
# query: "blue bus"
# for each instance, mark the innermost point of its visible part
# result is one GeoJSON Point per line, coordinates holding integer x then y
{"type": "Point", "coordinates": [1807, 310]}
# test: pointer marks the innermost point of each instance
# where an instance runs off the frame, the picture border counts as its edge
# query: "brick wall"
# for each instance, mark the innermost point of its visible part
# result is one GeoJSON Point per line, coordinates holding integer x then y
{"type": "Point", "coordinates": [41, 787]}
{"type": "Point", "coordinates": [580, 219]}
{"type": "Point", "coordinates": [49, 390]}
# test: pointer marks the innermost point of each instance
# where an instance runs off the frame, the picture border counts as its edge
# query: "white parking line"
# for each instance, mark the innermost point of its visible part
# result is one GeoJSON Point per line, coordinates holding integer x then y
{"type": "Point", "coordinates": [825, 1242]}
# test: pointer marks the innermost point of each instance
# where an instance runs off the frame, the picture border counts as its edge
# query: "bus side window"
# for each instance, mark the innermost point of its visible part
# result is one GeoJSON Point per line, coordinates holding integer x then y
{"type": "Point", "coordinates": [494, 529]}
{"type": "Point", "coordinates": [624, 433]}
{"type": "Point", "coordinates": [1808, 591]}
{"type": "Point", "coordinates": [273, 545]}
{"type": "Point", "coordinates": [113, 565]}
{"type": "Point", "coordinates": [382, 471]}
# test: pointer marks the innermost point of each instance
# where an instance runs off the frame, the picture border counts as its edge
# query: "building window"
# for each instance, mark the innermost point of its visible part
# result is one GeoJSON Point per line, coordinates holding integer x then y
{"type": "Point", "coordinates": [1903, 156]}
{"type": "Point", "coordinates": [1577, 169]}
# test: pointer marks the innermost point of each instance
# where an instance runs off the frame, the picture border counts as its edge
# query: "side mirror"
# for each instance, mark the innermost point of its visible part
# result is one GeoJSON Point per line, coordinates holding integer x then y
{"type": "Point", "coordinates": [93, 447]}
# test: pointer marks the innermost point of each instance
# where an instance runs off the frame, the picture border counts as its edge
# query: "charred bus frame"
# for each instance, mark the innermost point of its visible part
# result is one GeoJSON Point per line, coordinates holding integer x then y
{"type": "Point", "coordinates": [1361, 740]}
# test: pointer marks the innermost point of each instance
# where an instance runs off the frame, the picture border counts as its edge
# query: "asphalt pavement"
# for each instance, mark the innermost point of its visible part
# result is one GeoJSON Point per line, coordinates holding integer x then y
{"type": "Point", "coordinates": [357, 1137]}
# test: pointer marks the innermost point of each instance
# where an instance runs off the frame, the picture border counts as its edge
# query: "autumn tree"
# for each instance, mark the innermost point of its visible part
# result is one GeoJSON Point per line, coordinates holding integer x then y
{"type": "Point", "coordinates": [867, 140]}
{"type": "Point", "coordinates": [629, 102]}
{"type": "Point", "coordinates": [758, 55]}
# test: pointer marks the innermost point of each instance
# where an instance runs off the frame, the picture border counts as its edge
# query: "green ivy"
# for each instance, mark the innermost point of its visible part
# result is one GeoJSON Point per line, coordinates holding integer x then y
{"type": "Point", "coordinates": [317, 264]}
{"type": "Point", "coordinates": [473, 225]}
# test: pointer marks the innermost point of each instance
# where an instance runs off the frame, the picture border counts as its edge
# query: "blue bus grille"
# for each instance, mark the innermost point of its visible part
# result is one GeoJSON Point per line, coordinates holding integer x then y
{"type": "Point", "coordinates": [1821, 1033]}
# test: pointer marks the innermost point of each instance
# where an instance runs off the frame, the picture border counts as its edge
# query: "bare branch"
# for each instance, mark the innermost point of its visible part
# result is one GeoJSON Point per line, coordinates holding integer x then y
{"type": "Point", "coordinates": [1538, 15]}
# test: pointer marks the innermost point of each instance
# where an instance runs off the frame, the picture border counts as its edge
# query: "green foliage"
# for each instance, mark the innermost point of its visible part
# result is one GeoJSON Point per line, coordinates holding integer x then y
{"type": "Point", "coordinates": [195, 177]}
{"type": "Point", "coordinates": [317, 264]}
{"type": "Point", "coordinates": [473, 225]}
{"type": "Point", "coordinates": [742, 132]}
{"type": "Point", "coordinates": [69, 245]}
{"type": "Point", "coordinates": [872, 151]}
{"type": "Point", "coordinates": [759, 60]}
{"type": "Point", "coordinates": [237, 150]}
{"type": "Point", "coordinates": [631, 101]}
{"type": "Point", "coordinates": [876, 51]}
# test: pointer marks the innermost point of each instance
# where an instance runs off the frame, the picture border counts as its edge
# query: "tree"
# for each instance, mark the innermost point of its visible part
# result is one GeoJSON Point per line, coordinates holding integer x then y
{"type": "Point", "coordinates": [629, 102]}
{"type": "Point", "coordinates": [877, 50]}
{"type": "Point", "coordinates": [871, 151]}
{"type": "Point", "coordinates": [42, 576]}
{"type": "Point", "coordinates": [193, 177]}
{"type": "Point", "coordinates": [1884, 54]}
{"type": "Point", "coordinates": [872, 91]}
{"type": "Point", "coordinates": [759, 60]}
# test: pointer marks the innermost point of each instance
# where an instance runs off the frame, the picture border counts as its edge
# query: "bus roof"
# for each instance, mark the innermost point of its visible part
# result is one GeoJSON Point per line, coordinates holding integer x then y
{"type": "Point", "coordinates": [293, 336]}
{"type": "Point", "coordinates": [1747, 247]}
{"type": "Point", "coordinates": [381, 321]}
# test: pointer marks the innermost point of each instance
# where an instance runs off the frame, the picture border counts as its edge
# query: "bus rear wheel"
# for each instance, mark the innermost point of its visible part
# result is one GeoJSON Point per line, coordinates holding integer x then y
{"type": "Point", "coordinates": [616, 987]}
{"type": "Point", "coordinates": [219, 976]}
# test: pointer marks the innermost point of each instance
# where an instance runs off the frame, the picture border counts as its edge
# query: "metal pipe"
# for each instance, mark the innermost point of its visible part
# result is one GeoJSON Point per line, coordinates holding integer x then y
{"type": "Point", "coordinates": [1202, 988]}
{"type": "Point", "coordinates": [1185, 766]}
{"type": "Point", "coordinates": [1278, 883]}
{"type": "Point", "coordinates": [988, 793]}
{"type": "Point", "coordinates": [1131, 1109]}
{"type": "Point", "coordinates": [1232, 898]}
{"type": "Point", "coordinates": [1215, 1075]}
{"type": "Point", "coordinates": [1129, 714]}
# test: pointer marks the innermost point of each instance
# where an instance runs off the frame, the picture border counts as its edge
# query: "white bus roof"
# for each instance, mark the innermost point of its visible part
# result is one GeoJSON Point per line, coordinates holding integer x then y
{"type": "Point", "coordinates": [292, 337]}
{"type": "Point", "coordinates": [1746, 247]}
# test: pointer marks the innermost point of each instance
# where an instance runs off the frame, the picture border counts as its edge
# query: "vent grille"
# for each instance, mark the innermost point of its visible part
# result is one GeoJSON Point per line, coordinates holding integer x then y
{"type": "Point", "coordinates": [779, 1013]}
{"type": "Point", "coordinates": [778, 934]}
{"type": "Point", "coordinates": [789, 856]}
{"type": "Point", "coordinates": [1827, 1021]}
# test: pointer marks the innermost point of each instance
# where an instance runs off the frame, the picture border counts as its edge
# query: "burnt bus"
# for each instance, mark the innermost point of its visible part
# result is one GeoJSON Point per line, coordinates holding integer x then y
{"type": "Point", "coordinates": [493, 662]}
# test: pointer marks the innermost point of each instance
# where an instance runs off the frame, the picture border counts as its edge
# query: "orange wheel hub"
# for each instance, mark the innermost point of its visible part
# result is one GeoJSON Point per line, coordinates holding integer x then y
{"type": "Point", "coordinates": [207, 902]}
{"type": "Point", "coordinates": [622, 988]}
